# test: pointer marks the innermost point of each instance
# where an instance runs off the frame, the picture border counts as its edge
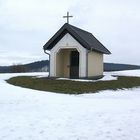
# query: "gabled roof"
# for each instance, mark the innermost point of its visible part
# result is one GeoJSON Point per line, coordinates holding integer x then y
{"type": "Point", "coordinates": [86, 39]}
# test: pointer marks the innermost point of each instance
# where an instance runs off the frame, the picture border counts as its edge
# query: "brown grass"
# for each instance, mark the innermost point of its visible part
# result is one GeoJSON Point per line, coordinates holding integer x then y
{"type": "Point", "coordinates": [74, 87]}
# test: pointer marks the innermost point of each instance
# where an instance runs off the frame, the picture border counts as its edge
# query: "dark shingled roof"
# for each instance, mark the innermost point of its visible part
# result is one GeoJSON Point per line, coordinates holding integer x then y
{"type": "Point", "coordinates": [86, 39]}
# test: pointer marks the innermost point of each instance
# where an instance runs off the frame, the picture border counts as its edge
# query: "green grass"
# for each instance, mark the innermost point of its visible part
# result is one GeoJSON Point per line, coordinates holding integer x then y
{"type": "Point", "coordinates": [74, 87]}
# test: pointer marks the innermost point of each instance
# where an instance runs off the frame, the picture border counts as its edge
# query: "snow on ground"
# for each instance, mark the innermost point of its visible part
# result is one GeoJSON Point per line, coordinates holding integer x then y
{"type": "Point", "coordinates": [27, 114]}
{"type": "Point", "coordinates": [125, 73]}
{"type": "Point", "coordinates": [107, 77]}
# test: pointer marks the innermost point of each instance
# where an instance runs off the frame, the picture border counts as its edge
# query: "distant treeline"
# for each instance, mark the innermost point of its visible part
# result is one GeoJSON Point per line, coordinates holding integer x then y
{"type": "Point", "coordinates": [119, 67]}
{"type": "Point", "coordinates": [31, 67]}
{"type": "Point", "coordinates": [42, 66]}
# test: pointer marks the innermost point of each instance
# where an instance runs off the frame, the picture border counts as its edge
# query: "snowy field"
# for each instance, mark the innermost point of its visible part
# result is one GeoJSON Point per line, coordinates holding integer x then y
{"type": "Point", "coordinates": [27, 114]}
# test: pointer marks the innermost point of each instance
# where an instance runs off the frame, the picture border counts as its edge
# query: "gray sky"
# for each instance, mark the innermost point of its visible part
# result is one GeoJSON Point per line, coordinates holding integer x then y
{"type": "Point", "coordinates": [26, 25]}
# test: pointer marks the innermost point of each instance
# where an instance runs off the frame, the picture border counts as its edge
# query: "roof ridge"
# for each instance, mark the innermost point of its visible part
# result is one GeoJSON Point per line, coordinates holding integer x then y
{"type": "Point", "coordinates": [80, 29]}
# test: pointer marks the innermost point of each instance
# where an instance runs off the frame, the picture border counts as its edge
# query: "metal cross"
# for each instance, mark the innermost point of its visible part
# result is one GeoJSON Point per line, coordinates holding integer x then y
{"type": "Point", "coordinates": [67, 16]}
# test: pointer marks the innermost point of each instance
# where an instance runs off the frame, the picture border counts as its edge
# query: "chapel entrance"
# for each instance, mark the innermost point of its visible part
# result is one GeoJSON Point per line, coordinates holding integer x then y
{"type": "Point", "coordinates": [74, 64]}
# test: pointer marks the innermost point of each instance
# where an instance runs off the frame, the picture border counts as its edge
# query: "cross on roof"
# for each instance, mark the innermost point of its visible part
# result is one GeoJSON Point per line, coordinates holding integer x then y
{"type": "Point", "coordinates": [67, 16]}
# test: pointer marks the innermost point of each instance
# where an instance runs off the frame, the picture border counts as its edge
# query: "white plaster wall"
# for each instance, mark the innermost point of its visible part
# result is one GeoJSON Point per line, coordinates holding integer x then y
{"type": "Point", "coordinates": [68, 42]}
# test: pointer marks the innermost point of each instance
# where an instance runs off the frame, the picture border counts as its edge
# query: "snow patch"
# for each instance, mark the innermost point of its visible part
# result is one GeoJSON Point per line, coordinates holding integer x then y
{"type": "Point", "coordinates": [105, 78]}
{"type": "Point", "coordinates": [27, 114]}
{"type": "Point", "coordinates": [125, 73]}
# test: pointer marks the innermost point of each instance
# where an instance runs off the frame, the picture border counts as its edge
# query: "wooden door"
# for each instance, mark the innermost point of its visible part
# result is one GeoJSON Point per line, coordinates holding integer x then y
{"type": "Point", "coordinates": [74, 64]}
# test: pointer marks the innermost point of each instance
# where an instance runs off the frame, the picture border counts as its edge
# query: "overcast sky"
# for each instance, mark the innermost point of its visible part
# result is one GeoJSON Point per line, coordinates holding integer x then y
{"type": "Point", "coordinates": [26, 25]}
